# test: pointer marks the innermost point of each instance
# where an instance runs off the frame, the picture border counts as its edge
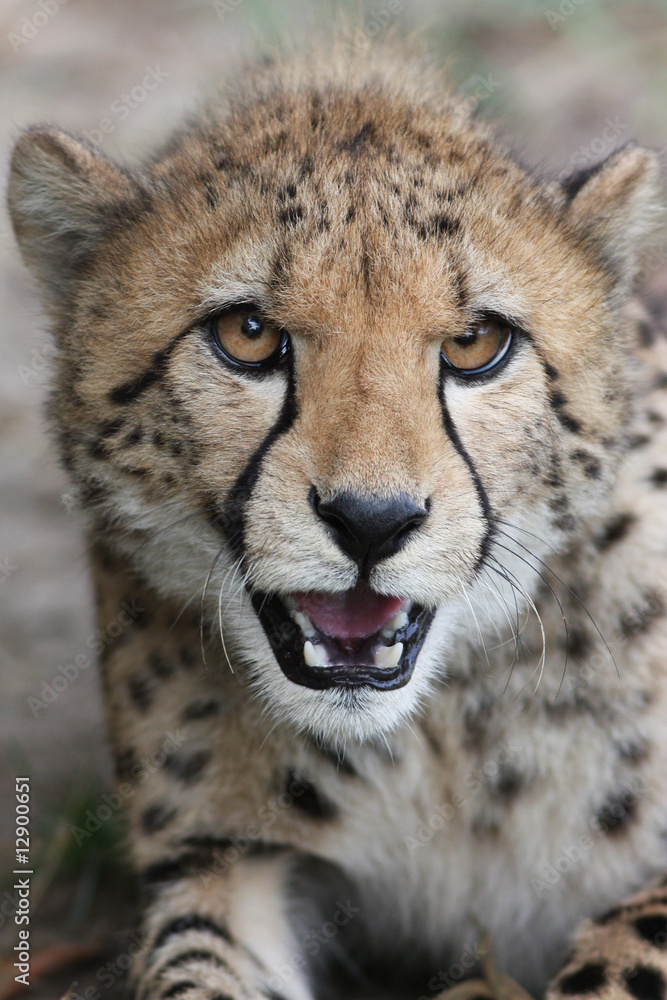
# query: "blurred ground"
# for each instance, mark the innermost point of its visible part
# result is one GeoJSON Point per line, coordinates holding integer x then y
{"type": "Point", "coordinates": [570, 80]}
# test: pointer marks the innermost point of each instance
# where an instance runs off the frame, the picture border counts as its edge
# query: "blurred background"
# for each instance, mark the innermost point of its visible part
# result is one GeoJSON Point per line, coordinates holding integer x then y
{"type": "Point", "coordinates": [568, 81]}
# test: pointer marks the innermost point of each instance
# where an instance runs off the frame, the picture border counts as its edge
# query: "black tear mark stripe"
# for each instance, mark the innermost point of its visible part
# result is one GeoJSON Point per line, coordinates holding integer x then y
{"type": "Point", "coordinates": [239, 495]}
{"type": "Point", "coordinates": [128, 392]}
{"type": "Point", "coordinates": [453, 436]}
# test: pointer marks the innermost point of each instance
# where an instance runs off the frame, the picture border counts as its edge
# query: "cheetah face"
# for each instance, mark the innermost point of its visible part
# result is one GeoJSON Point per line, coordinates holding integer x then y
{"type": "Point", "coordinates": [339, 369]}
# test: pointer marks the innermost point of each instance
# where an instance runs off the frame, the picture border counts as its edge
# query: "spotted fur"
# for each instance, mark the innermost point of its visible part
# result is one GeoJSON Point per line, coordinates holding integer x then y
{"type": "Point", "coordinates": [290, 840]}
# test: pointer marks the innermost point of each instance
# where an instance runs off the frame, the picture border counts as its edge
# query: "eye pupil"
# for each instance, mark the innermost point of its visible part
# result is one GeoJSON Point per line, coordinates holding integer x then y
{"type": "Point", "coordinates": [252, 327]}
{"type": "Point", "coordinates": [467, 339]}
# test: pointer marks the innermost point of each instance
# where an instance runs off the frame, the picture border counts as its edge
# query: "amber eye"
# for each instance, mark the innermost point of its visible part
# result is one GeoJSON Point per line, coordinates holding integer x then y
{"type": "Point", "coordinates": [479, 349]}
{"type": "Point", "coordinates": [247, 339]}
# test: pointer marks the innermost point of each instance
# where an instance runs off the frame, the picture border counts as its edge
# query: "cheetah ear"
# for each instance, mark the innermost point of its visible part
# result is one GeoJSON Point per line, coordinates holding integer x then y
{"type": "Point", "coordinates": [62, 196]}
{"type": "Point", "coordinates": [616, 204]}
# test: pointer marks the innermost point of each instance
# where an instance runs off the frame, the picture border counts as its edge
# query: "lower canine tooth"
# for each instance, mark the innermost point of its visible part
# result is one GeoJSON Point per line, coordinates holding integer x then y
{"type": "Point", "coordinates": [389, 656]}
{"type": "Point", "coordinates": [313, 655]}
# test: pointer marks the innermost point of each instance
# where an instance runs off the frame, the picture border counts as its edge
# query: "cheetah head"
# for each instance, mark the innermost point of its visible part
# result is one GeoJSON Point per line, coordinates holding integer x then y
{"type": "Point", "coordinates": [322, 357]}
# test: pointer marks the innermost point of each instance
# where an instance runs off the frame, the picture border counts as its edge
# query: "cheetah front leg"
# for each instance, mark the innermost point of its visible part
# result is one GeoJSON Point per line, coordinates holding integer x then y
{"type": "Point", "coordinates": [621, 954]}
{"type": "Point", "coordinates": [221, 937]}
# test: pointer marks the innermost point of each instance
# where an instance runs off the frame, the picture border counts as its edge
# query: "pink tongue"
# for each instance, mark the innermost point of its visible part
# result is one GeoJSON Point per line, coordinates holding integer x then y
{"type": "Point", "coordinates": [352, 614]}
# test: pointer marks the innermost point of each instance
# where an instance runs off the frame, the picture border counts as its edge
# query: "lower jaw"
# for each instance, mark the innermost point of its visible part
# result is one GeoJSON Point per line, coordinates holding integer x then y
{"type": "Point", "coordinates": [286, 641]}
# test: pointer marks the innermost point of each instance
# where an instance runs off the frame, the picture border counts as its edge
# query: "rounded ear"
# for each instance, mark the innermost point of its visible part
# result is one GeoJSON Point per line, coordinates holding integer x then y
{"type": "Point", "coordinates": [63, 197]}
{"type": "Point", "coordinates": [616, 204]}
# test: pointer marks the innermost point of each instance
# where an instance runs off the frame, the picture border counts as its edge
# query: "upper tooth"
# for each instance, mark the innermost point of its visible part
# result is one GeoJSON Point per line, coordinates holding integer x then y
{"type": "Point", "coordinates": [314, 655]}
{"type": "Point", "coordinates": [389, 656]}
{"type": "Point", "coordinates": [304, 623]}
{"type": "Point", "coordinates": [290, 604]}
{"type": "Point", "coordinates": [399, 620]}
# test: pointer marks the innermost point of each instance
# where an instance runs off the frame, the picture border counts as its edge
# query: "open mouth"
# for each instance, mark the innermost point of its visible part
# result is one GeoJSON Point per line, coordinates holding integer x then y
{"type": "Point", "coordinates": [353, 638]}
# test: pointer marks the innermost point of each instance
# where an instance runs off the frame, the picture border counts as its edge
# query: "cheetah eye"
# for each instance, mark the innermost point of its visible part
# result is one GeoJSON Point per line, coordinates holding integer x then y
{"type": "Point", "coordinates": [479, 349]}
{"type": "Point", "coordinates": [245, 338]}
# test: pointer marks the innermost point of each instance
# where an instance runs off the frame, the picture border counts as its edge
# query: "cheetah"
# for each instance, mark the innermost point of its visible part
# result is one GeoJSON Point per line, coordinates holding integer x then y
{"type": "Point", "coordinates": [367, 423]}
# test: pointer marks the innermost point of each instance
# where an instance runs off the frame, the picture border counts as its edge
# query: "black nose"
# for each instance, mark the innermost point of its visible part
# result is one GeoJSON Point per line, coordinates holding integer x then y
{"type": "Point", "coordinates": [370, 528]}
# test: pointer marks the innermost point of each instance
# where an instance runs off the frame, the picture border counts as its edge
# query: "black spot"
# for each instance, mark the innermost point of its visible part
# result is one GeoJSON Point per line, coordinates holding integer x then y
{"type": "Point", "coordinates": [97, 449]}
{"type": "Point", "coordinates": [551, 372]}
{"type": "Point", "coordinates": [569, 422]}
{"type": "Point", "coordinates": [135, 436]}
{"type": "Point", "coordinates": [125, 761]}
{"type": "Point", "coordinates": [291, 215]}
{"type": "Point", "coordinates": [578, 643]}
{"type": "Point", "coordinates": [510, 782]}
{"type": "Point", "coordinates": [614, 531]}
{"type": "Point", "coordinates": [655, 418]}
{"type": "Point", "coordinates": [202, 708]}
{"type": "Point", "coordinates": [187, 767]}
{"type": "Point", "coordinates": [439, 226]}
{"type": "Point", "coordinates": [286, 192]}
{"type": "Point", "coordinates": [590, 463]}
{"type": "Point", "coordinates": [141, 693]}
{"type": "Point", "coordinates": [189, 659]}
{"type": "Point", "coordinates": [366, 134]}
{"type": "Point", "coordinates": [661, 381]}
{"type": "Point", "coordinates": [191, 922]}
{"type": "Point", "coordinates": [616, 814]}
{"type": "Point", "coordinates": [637, 441]}
{"type": "Point", "coordinates": [639, 620]}
{"type": "Point", "coordinates": [178, 989]}
{"type": "Point", "coordinates": [590, 977]}
{"type": "Point", "coordinates": [653, 928]}
{"type": "Point", "coordinates": [307, 798]}
{"type": "Point", "coordinates": [159, 666]}
{"type": "Point", "coordinates": [143, 620]}
{"type": "Point", "coordinates": [559, 503]}
{"type": "Point", "coordinates": [634, 751]}
{"type": "Point", "coordinates": [644, 982]}
{"type": "Point", "coordinates": [111, 427]}
{"type": "Point", "coordinates": [659, 478]}
{"type": "Point", "coordinates": [646, 334]}
{"type": "Point", "coordinates": [156, 817]}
